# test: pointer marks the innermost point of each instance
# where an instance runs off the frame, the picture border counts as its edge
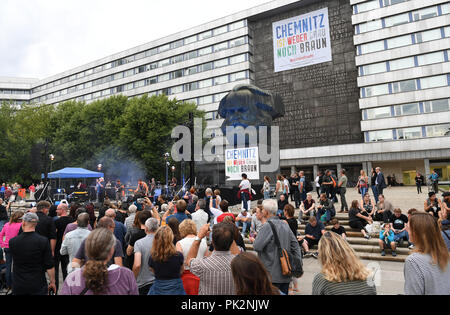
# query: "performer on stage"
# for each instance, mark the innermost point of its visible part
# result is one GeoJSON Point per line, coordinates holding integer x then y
{"type": "Point", "coordinates": [100, 188]}
{"type": "Point", "coordinates": [142, 188]}
{"type": "Point", "coordinates": [119, 190]}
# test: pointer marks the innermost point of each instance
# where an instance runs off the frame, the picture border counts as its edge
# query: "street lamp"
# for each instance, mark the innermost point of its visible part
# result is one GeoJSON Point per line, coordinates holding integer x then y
{"type": "Point", "coordinates": [52, 158]}
{"type": "Point", "coordinates": [166, 157]}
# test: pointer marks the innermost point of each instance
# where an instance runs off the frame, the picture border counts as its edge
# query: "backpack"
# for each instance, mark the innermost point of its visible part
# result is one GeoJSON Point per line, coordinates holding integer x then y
{"type": "Point", "coordinates": [334, 180]}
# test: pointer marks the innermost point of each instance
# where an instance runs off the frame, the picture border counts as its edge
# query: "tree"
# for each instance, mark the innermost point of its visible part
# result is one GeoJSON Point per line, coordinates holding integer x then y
{"type": "Point", "coordinates": [122, 134]}
{"type": "Point", "coordinates": [148, 127]}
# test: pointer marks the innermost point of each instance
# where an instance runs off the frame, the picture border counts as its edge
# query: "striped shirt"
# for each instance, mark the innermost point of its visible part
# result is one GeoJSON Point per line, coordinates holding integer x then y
{"type": "Point", "coordinates": [321, 286]}
{"type": "Point", "coordinates": [422, 277]}
{"type": "Point", "coordinates": [214, 273]}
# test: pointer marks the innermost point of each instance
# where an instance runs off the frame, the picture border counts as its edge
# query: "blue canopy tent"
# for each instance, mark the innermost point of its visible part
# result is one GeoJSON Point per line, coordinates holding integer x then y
{"type": "Point", "coordinates": [68, 176]}
{"type": "Point", "coordinates": [70, 172]}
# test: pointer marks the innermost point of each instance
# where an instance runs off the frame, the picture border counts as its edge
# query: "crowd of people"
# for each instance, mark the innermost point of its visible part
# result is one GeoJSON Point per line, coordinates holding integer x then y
{"type": "Point", "coordinates": [197, 246]}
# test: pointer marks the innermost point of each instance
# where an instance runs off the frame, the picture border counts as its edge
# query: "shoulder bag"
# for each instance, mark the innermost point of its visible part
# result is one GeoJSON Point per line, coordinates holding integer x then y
{"type": "Point", "coordinates": [290, 264]}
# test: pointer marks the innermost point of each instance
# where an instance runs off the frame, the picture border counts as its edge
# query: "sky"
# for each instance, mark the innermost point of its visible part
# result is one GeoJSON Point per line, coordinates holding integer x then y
{"type": "Point", "coordinates": [40, 38]}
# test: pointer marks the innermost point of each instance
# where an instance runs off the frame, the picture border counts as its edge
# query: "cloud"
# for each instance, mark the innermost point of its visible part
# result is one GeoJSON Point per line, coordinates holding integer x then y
{"type": "Point", "coordinates": [40, 38]}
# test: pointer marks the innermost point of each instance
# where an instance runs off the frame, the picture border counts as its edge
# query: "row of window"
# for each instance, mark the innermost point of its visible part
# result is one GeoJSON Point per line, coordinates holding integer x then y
{"type": "Point", "coordinates": [408, 133]}
{"type": "Point", "coordinates": [167, 91]}
{"type": "Point", "coordinates": [153, 80]}
{"type": "Point", "coordinates": [374, 4]}
{"type": "Point", "coordinates": [13, 102]}
{"type": "Point", "coordinates": [407, 17]}
{"type": "Point", "coordinates": [405, 40]}
{"type": "Point", "coordinates": [434, 106]}
{"type": "Point", "coordinates": [152, 52]}
{"type": "Point", "coordinates": [14, 92]}
{"type": "Point", "coordinates": [404, 63]}
{"type": "Point", "coordinates": [406, 86]}
{"type": "Point", "coordinates": [214, 115]}
{"type": "Point", "coordinates": [208, 99]}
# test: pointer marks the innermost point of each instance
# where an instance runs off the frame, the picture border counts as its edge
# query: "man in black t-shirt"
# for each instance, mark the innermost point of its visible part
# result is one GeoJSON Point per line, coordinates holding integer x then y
{"type": "Point", "coordinates": [327, 184]}
{"type": "Point", "coordinates": [32, 258]}
{"type": "Point", "coordinates": [399, 224]}
{"type": "Point", "coordinates": [46, 225]}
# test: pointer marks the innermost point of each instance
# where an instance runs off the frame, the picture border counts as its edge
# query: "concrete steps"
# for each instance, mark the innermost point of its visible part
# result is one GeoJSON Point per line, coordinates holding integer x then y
{"type": "Point", "coordinates": [367, 249]}
{"type": "Point", "coordinates": [367, 252]}
{"type": "Point", "coordinates": [364, 248]}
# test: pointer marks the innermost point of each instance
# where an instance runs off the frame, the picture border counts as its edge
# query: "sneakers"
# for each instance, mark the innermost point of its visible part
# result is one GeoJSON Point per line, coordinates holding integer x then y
{"type": "Point", "coordinates": [367, 237]}
{"type": "Point", "coordinates": [307, 254]}
{"type": "Point", "coordinates": [394, 254]}
{"type": "Point", "coordinates": [315, 255]}
{"type": "Point", "coordinates": [383, 253]}
{"type": "Point", "coordinates": [411, 246]}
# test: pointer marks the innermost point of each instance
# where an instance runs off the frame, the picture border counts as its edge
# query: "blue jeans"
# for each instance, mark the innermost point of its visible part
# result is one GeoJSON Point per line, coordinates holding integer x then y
{"type": "Point", "coordinates": [244, 199]}
{"type": "Point", "coordinates": [2, 224]}
{"type": "Point", "coordinates": [402, 235]}
{"type": "Point", "coordinates": [283, 287]}
{"type": "Point", "coordinates": [363, 190]}
{"type": "Point", "coordinates": [328, 212]}
{"type": "Point", "coordinates": [167, 287]}
{"type": "Point", "coordinates": [375, 193]}
{"type": "Point", "coordinates": [266, 195]}
{"type": "Point", "coordinates": [245, 226]}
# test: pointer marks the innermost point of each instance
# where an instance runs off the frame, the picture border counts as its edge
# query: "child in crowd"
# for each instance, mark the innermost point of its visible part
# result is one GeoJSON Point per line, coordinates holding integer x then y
{"type": "Point", "coordinates": [338, 229]}
{"type": "Point", "coordinates": [387, 240]}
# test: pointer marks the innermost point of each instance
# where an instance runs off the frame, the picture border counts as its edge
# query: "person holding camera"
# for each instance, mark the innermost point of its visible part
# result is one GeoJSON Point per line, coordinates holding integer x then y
{"type": "Point", "coordinates": [180, 212]}
{"type": "Point", "coordinates": [433, 205]}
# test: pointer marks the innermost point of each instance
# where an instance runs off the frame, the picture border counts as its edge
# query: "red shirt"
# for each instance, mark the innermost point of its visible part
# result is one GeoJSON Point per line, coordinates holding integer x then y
{"type": "Point", "coordinates": [222, 216]}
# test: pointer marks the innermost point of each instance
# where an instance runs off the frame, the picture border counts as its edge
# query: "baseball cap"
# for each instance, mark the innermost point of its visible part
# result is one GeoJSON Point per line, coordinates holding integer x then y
{"type": "Point", "coordinates": [30, 217]}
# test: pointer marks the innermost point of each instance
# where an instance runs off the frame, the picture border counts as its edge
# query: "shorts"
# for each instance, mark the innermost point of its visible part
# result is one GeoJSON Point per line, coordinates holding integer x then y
{"type": "Point", "coordinates": [312, 242]}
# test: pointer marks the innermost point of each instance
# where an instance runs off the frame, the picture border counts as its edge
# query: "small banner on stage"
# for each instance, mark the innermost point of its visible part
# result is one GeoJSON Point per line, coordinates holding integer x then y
{"type": "Point", "coordinates": [240, 161]}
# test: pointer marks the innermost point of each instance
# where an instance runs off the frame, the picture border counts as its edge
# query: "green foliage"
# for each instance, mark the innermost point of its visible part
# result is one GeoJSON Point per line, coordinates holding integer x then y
{"type": "Point", "coordinates": [113, 132]}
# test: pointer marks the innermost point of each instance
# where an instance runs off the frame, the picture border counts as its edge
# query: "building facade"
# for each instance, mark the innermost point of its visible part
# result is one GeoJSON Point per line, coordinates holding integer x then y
{"type": "Point", "coordinates": [383, 99]}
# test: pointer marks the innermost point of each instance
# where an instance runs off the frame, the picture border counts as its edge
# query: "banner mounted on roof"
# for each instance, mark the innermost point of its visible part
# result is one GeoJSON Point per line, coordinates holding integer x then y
{"type": "Point", "coordinates": [302, 41]}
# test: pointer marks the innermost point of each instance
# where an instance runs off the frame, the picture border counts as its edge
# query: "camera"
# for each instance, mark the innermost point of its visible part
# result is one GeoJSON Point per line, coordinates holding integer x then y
{"type": "Point", "coordinates": [140, 200]}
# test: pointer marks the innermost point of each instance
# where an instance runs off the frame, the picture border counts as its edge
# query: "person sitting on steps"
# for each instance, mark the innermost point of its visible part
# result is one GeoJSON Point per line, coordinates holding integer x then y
{"type": "Point", "coordinates": [358, 219]}
{"type": "Point", "coordinates": [387, 240]}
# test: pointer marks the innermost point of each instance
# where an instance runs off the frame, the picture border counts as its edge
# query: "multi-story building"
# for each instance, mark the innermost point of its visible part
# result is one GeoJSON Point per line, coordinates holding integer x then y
{"type": "Point", "coordinates": [383, 99]}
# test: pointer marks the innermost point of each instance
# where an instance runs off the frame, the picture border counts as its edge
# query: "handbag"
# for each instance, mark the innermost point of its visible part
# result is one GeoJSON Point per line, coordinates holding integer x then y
{"type": "Point", "coordinates": [291, 265]}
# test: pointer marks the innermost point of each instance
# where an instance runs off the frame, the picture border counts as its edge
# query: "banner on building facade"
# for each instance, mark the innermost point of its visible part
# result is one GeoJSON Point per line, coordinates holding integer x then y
{"type": "Point", "coordinates": [242, 161]}
{"type": "Point", "coordinates": [302, 41]}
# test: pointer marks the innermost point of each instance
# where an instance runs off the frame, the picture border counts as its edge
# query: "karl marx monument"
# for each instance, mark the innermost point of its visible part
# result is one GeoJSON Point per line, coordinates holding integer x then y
{"type": "Point", "coordinates": [248, 114]}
